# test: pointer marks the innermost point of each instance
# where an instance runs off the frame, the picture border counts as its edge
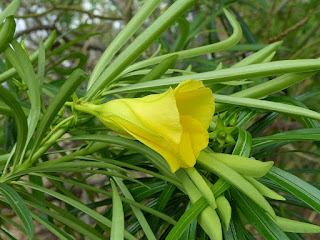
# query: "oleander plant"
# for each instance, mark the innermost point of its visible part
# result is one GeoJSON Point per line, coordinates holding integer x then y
{"type": "Point", "coordinates": [182, 129]}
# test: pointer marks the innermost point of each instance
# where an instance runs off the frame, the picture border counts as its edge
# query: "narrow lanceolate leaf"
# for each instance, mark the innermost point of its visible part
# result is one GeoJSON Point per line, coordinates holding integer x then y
{"type": "Point", "coordinates": [105, 222]}
{"type": "Point", "coordinates": [268, 106]}
{"type": "Point", "coordinates": [162, 202]}
{"type": "Point", "coordinates": [309, 134]}
{"type": "Point", "coordinates": [41, 63]}
{"type": "Point", "coordinates": [141, 218]}
{"type": "Point", "coordinates": [33, 57]}
{"type": "Point", "coordinates": [8, 235]}
{"type": "Point", "coordinates": [186, 219]}
{"type": "Point", "coordinates": [51, 227]}
{"type": "Point", "coordinates": [9, 10]}
{"type": "Point", "coordinates": [297, 187]}
{"type": "Point", "coordinates": [135, 23]}
{"type": "Point", "coordinates": [229, 74]}
{"type": "Point", "coordinates": [198, 51]}
{"type": "Point", "coordinates": [117, 228]}
{"type": "Point", "coordinates": [29, 77]}
{"type": "Point", "coordinates": [259, 56]}
{"type": "Point", "coordinates": [243, 144]}
{"type": "Point", "coordinates": [21, 120]}
{"type": "Point", "coordinates": [258, 218]}
{"type": "Point", "coordinates": [135, 49]}
{"type": "Point", "coordinates": [72, 83]}
{"type": "Point", "coordinates": [19, 207]}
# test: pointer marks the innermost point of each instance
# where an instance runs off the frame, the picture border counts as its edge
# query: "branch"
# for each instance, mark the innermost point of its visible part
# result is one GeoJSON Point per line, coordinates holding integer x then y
{"type": "Point", "coordinates": [33, 29]}
{"type": "Point", "coordinates": [67, 8]}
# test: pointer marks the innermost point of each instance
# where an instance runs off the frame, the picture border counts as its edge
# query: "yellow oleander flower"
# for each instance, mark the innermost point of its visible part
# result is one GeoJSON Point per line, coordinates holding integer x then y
{"type": "Point", "coordinates": [173, 123]}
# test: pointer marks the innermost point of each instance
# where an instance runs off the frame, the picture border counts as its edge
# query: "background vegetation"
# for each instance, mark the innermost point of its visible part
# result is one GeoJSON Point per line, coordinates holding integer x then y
{"type": "Point", "coordinates": [84, 29]}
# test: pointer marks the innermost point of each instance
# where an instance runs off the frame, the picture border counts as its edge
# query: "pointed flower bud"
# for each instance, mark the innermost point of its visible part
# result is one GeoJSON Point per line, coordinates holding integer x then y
{"type": "Point", "coordinates": [173, 123]}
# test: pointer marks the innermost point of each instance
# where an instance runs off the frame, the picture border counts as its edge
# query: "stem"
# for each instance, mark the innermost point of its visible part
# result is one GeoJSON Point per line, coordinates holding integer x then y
{"type": "Point", "coordinates": [56, 128]}
{"type": "Point", "coordinates": [87, 108]}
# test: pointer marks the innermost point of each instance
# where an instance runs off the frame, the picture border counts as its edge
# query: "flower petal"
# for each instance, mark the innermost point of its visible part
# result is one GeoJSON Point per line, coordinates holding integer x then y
{"type": "Point", "coordinates": [159, 113]}
{"type": "Point", "coordinates": [194, 139]}
{"type": "Point", "coordinates": [195, 100]}
{"type": "Point", "coordinates": [156, 142]}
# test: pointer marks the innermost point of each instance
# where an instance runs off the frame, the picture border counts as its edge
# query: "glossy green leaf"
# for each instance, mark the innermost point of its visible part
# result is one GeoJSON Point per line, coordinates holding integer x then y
{"type": "Point", "coordinates": [101, 219]}
{"type": "Point", "coordinates": [8, 235]}
{"type": "Point", "coordinates": [19, 207]}
{"type": "Point", "coordinates": [258, 218]}
{"type": "Point", "coordinates": [72, 83]}
{"type": "Point", "coordinates": [51, 227]}
{"type": "Point", "coordinates": [135, 23]}
{"type": "Point", "coordinates": [243, 144]}
{"type": "Point", "coordinates": [29, 77]}
{"type": "Point", "coordinates": [9, 10]}
{"type": "Point", "coordinates": [297, 187]}
{"type": "Point", "coordinates": [134, 50]}
{"type": "Point", "coordinates": [117, 228]}
{"type": "Point", "coordinates": [22, 126]}
{"type": "Point", "coordinates": [186, 219]}
{"type": "Point", "coordinates": [268, 106]}
{"type": "Point", "coordinates": [33, 57]}
{"type": "Point", "coordinates": [140, 216]}
{"type": "Point", "coordinates": [233, 74]}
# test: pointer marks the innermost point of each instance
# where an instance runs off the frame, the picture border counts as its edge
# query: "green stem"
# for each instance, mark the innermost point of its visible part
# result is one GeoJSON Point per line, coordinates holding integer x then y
{"type": "Point", "coordinates": [87, 108]}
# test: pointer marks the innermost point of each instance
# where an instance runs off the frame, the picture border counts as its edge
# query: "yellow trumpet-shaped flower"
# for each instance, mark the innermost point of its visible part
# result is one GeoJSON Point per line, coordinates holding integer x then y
{"type": "Point", "coordinates": [173, 123]}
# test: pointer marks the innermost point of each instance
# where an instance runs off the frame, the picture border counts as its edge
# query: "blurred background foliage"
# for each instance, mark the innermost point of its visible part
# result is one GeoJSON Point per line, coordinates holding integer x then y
{"type": "Point", "coordinates": [94, 23]}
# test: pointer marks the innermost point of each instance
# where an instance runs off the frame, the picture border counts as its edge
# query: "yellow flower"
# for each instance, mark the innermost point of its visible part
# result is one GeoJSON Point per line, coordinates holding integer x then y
{"type": "Point", "coordinates": [173, 123]}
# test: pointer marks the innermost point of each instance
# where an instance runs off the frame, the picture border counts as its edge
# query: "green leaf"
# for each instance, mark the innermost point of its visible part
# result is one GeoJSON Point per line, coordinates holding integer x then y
{"type": "Point", "coordinates": [51, 227]}
{"type": "Point", "coordinates": [161, 204]}
{"type": "Point", "coordinates": [29, 77]}
{"type": "Point", "coordinates": [9, 10]}
{"type": "Point", "coordinates": [258, 218]}
{"type": "Point", "coordinates": [135, 23]}
{"type": "Point", "coordinates": [268, 106]}
{"type": "Point", "coordinates": [65, 217]}
{"type": "Point", "coordinates": [19, 207]}
{"type": "Point", "coordinates": [156, 159]}
{"type": "Point", "coordinates": [243, 144]}
{"type": "Point", "coordinates": [141, 218]}
{"type": "Point", "coordinates": [99, 218]}
{"type": "Point", "coordinates": [117, 228]}
{"type": "Point", "coordinates": [185, 29]}
{"type": "Point", "coordinates": [80, 58]}
{"type": "Point", "coordinates": [22, 126]}
{"type": "Point", "coordinates": [68, 88]}
{"type": "Point", "coordinates": [41, 64]}
{"type": "Point", "coordinates": [186, 219]}
{"type": "Point", "coordinates": [134, 50]}
{"type": "Point", "coordinates": [8, 235]}
{"type": "Point", "coordinates": [231, 74]}
{"type": "Point", "coordinates": [123, 199]}
{"type": "Point", "coordinates": [33, 57]}
{"type": "Point", "coordinates": [198, 51]}
{"type": "Point", "coordinates": [297, 187]}
{"type": "Point", "coordinates": [309, 134]}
